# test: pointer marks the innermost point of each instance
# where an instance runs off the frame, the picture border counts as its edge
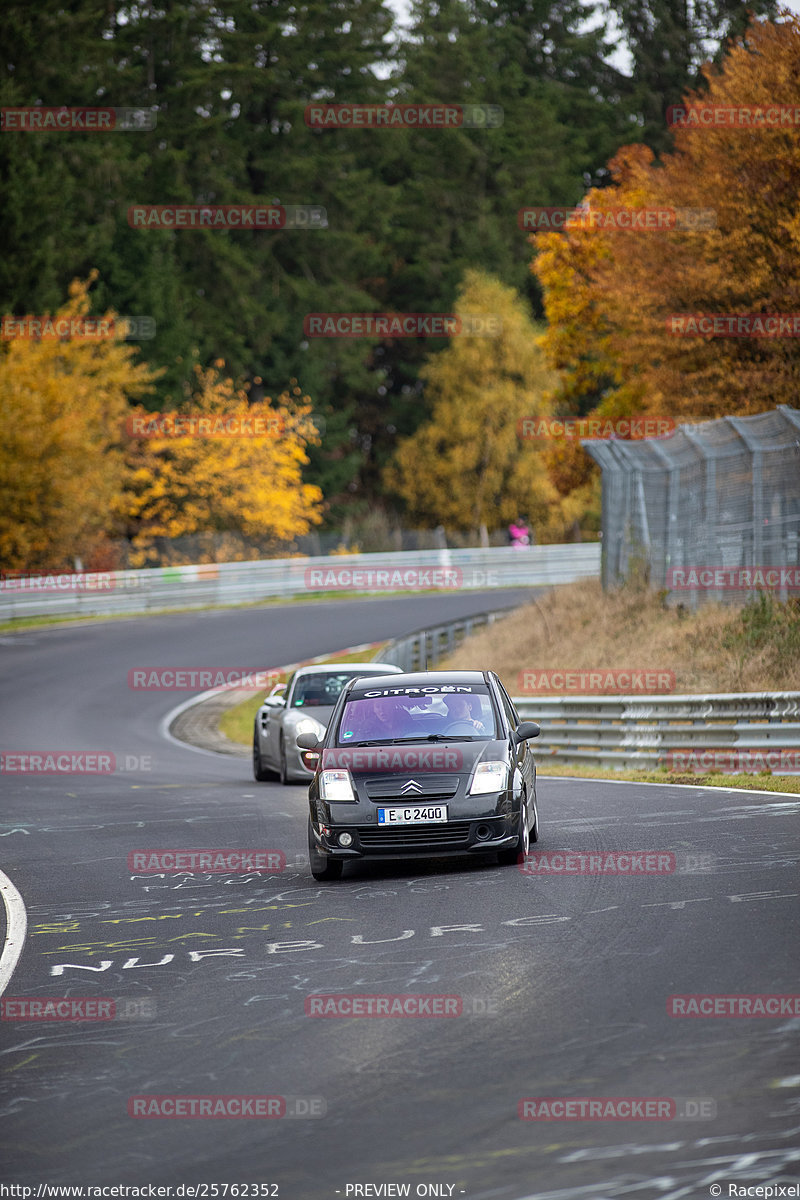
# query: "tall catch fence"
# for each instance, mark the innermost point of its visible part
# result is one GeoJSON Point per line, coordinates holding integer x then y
{"type": "Point", "coordinates": [712, 512]}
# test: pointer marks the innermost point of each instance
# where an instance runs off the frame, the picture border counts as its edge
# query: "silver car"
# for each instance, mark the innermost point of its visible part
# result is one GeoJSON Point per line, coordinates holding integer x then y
{"type": "Point", "coordinates": [303, 705]}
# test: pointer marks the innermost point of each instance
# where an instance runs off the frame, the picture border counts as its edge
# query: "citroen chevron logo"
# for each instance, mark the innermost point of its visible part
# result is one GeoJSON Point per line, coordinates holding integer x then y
{"type": "Point", "coordinates": [411, 786]}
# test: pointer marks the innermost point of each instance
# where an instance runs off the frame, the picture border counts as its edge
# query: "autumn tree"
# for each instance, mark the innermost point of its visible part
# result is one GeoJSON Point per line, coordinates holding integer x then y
{"type": "Point", "coordinates": [611, 293]}
{"type": "Point", "coordinates": [65, 382]}
{"type": "Point", "coordinates": [219, 463]}
{"type": "Point", "coordinates": [468, 467]}
{"type": "Point", "coordinates": [669, 41]}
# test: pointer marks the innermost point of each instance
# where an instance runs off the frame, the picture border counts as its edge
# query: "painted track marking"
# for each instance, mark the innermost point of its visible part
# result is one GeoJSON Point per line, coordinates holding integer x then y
{"type": "Point", "coordinates": [17, 925]}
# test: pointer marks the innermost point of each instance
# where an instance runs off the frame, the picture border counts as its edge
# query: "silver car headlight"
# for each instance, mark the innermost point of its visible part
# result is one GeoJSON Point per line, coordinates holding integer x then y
{"type": "Point", "coordinates": [309, 725]}
{"type": "Point", "coordinates": [489, 777]}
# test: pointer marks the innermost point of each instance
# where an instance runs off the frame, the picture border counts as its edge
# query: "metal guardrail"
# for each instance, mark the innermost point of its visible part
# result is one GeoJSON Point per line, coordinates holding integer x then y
{"type": "Point", "coordinates": [753, 729]}
{"type": "Point", "coordinates": [759, 728]}
{"type": "Point", "coordinates": [198, 586]}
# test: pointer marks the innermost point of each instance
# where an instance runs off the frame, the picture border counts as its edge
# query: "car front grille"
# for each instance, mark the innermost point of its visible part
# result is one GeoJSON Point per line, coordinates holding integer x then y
{"type": "Point", "coordinates": [432, 787]}
{"type": "Point", "coordinates": [449, 835]}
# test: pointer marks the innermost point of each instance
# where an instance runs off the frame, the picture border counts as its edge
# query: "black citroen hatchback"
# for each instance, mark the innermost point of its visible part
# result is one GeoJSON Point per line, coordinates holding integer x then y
{"type": "Point", "coordinates": [429, 764]}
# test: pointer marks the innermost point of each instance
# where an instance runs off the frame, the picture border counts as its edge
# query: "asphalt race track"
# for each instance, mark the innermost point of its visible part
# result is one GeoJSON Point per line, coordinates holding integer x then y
{"type": "Point", "coordinates": [563, 981]}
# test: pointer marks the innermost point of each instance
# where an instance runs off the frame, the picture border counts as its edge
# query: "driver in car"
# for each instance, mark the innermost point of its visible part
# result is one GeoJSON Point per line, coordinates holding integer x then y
{"type": "Point", "coordinates": [459, 708]}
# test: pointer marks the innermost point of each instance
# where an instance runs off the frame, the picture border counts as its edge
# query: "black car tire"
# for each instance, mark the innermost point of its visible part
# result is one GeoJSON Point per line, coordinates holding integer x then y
{"type": "Point", "coordinates": [509, 858]}
{"type": "Point", "coordinates": [260, 773]}
{"type": "Point", "coordinates": [283, 774]}
{"type": "Point", "coordinates": [323, 868]}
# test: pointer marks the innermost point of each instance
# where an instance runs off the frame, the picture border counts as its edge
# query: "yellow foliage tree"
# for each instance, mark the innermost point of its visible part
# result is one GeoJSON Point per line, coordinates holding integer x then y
{"type": "Point", "coordinates": [467, 467]}
{"type": "Point", "coordinates": [610, 293]}
{"type": "Point", "coordinates": [62, 400]}
{"type": "Point", "coordinates": [246, 485]}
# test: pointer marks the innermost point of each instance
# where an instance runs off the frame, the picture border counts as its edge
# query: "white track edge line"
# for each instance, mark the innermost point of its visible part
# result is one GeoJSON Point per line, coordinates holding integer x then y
{"type": "Point", "coordinates": [706, 787]}
{"type": "Point", "coordinates": [17, 926]}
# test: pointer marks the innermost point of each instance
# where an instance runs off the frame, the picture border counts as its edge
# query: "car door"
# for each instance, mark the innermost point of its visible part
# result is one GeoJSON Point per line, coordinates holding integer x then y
{"type": "Point", "coordinates": [274, 720]}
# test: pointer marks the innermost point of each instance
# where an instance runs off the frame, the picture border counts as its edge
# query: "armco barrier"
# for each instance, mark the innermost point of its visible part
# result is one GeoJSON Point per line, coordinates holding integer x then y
{"type": "Point", "coordinates": [199, 586]}
{"type": "Point", "coordinates": [642, 731]}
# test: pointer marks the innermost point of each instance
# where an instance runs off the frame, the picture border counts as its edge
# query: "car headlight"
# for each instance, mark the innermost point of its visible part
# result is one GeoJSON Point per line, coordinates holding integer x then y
{"type": "Point", "coordinates": [309, 725]}
{"type": "Point", "coordinates": [336, 786]}
{"type": "Point", "coordinates": [489, 777]}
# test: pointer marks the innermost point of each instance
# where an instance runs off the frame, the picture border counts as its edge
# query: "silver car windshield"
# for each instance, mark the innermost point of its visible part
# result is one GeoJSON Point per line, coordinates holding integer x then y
{"type": "Point", "coordinates": [320, 690]}
{"type": "Point", "coordinates": [444, 714]}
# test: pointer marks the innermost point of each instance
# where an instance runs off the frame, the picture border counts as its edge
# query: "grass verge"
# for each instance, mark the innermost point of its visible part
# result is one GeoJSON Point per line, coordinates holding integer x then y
{"type": "Point", "coordinates": [760, 783]}
{"type": "Point", "coordinates": [579, 627]}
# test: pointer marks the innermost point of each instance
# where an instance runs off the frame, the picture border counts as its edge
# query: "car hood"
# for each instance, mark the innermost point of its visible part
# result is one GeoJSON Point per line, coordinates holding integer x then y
{"type": "Point", "coordinates": [321, 714]}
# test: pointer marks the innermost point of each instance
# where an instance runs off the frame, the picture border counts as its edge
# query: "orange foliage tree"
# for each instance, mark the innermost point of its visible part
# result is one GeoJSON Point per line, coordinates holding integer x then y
{"type": "Point", "coordinates": [63, 394]}
{"type": "Point", "coordinates": [203, 476]}
{"type": "Point", "coordinates": [610, 293]}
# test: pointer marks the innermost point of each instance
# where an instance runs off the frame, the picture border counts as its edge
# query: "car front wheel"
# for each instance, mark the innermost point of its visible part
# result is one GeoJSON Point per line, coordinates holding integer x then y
{"type": "Point", "coordinates": [323, 867]}
{"type": "Point", "coordinates": [260, 773]}
{"type": "Point", "coordinates": [509, 858]}
{"type": "Point", "coordinates": [284, 772]}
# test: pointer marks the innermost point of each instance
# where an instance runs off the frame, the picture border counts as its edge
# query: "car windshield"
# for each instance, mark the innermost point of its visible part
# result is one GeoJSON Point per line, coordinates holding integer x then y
{"type": "Point", "coordinates": [319, 690]}
{"type": "Point", "coordinates": [403, 715]}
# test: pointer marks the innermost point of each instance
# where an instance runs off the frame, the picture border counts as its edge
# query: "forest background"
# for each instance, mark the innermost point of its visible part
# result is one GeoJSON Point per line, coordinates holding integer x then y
{"type": "Point", "coordinates": [376, 433]}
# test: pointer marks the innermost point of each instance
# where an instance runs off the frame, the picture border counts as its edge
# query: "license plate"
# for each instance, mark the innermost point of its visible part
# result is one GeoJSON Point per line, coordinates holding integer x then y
{"type": "Point", "coordinates": [417, 814]}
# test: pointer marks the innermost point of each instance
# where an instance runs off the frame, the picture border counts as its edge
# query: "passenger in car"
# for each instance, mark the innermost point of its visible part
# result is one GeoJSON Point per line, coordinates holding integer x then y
{"type": "Point", "coordinates": [387, 717]}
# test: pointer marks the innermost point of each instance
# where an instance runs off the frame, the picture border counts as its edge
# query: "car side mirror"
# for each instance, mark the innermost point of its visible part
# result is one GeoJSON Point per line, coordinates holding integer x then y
{"type": "Point", "coordinates": [275, 701]}
{"type": "Point", "coordinates": [525, 730]}
{"type": "Point", "coordinates": [308, 741]}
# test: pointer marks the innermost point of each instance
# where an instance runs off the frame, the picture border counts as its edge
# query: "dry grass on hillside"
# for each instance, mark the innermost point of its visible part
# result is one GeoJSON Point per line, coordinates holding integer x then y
{"type": "Point", "coordinates": [578, 626]}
